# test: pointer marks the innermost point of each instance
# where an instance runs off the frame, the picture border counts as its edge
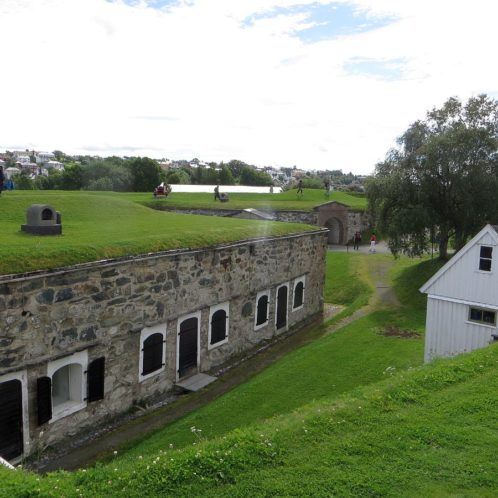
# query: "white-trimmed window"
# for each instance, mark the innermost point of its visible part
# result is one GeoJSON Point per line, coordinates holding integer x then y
{"type": "Point", "coordinates": [152, 351]}
{"type": "Point", "coordinates": [485, 258]}
{"type": "Point", "coordinates": [298, 293]}
{"type": "Point", "coordinates": [262, 314]}
{"type": "Point", "coordinates": [218, 325]}
{"type": "Point", "coordinates": [68, 380]}
{"type": "Point", "coordinates": [482, 316]}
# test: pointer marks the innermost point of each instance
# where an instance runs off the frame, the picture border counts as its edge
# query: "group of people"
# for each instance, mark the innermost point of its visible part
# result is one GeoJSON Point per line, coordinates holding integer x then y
{"type": "Point", "coordinates": [357, 241]}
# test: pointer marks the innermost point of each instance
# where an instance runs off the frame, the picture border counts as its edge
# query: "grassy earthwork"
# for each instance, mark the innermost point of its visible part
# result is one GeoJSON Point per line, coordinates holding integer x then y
{"type": "Point", "coordinates": [107, 225]}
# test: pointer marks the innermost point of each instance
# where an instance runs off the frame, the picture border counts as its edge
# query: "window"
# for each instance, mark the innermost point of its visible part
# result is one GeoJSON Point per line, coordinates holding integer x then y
{"type": "Point", "coordinates": [62, 392]}
{"type": "Point", "coordinates": [485, 257]}
{"type": "Point", "coordinates": [486, 317]}
{"type": "Point", "coordinates": [262, 309]}
{"type": "Point", "coordinates": [218, 325]}
{"type": "Point", "coordinates": [298, 300]}
{"type": "Point", "coordinates": [152, 351]}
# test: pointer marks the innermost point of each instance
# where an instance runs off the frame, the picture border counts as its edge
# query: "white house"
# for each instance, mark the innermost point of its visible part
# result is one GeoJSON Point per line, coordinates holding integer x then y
{"type": "Point", "coordinates": [43, 157]}
{"type": "Point", "coordinates": [463, 299]}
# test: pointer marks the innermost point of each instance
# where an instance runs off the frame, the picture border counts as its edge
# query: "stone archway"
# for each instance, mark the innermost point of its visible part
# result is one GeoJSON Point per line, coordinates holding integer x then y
{"type": "Point", "coordinates": [336, 231]}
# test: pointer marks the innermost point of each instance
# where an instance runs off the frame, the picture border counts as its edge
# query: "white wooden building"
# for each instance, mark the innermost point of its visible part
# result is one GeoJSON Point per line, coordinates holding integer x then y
{"type": "Point", "coordinates": [462, 299]}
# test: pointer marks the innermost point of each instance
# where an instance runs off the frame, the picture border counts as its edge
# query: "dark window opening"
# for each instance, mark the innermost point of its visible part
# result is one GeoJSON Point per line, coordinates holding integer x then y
{"type": "Point", "coordinates": [485, 258]}
{"type": "Point", "coordinates": [262, 310]}
{"type": "Point", "coordinates": [153, 353]}
{"type": "Point", "coordinates": [298, 295]}
{"type": "Point", "coordinates": [46, 214]}
{"type": "Point", "coordinates": [482, 316]}
{"type": "Point", "coordinates": [218, 326]}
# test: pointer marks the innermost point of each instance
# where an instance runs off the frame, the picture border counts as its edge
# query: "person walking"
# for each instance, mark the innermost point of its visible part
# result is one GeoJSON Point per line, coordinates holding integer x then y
{"type": "Point", "coordinates": [327, 188]}
{"type": "Point", "coordinates": [373, 241]}
{"type": "Point", "coordinates": [217, 193]}
{"type": "Point", "coordinates": [2, 178]}
{"type": "Point", "coordinates": [356, 241]}
{"type": "Point", "coordinates": [300, 187]}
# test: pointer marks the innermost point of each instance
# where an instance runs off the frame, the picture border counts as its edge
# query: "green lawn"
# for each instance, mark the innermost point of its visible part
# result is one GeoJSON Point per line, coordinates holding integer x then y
{"type": "Point", "coordinates": [274, 202]}
{"type": "Point", "coordinates": [107, 225]}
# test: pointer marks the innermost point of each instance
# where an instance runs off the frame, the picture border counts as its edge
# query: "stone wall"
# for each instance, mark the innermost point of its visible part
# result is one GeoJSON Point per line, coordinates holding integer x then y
{"type": "Point", "coordinates": [101, 309]}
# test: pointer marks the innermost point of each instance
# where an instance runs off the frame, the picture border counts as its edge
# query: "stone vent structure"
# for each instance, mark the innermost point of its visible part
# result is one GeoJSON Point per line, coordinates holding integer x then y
{"type": "Point", "coordinates": [42, 219]}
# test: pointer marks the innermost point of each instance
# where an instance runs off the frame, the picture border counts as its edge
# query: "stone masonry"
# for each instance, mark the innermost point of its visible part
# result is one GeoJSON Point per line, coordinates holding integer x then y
{"type": "Point", "coordinates": [100, 309]}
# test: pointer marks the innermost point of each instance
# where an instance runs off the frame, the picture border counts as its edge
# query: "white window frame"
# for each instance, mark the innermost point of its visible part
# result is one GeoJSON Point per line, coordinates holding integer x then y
{"type": "Point", "coordinates": [296, 281]}
{"type": "Point", "coordinates": [480, 258]}
{"type": "Point", "coordinates": [286, 284]}
{"type": "Point", "coordinates": [258, 296]}
{"type": "Point", "coordinates": [22, 376]}
{"type": "Point", "coordinates": [144, 335]}
{"type": "Point", "coordinates": [478, 322]}
{"type": "Point", "coordinates": [212, 310]}
{"type": "Point", "coordinates": [71, 406]}
{"type": "Point", "coordinates": [180, 320]}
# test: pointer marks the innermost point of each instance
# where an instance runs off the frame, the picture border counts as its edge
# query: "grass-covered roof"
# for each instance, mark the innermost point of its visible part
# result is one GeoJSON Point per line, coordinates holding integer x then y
{"type": "Point", "coordinates": [102, 225]}
{"type": "Point", "coordinates": [284, 201]}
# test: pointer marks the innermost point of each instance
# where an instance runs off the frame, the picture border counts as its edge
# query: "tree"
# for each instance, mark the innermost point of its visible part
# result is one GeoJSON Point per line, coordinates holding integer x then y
{"type": "Point", "coordinates": [442, 180]}
{"type": "Point", "coordinates": [251, 176]}
{"type": "Point", "coordinates": [145, 174]}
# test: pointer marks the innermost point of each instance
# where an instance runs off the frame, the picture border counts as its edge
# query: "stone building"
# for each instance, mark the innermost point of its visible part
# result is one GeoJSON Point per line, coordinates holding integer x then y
{"type": "Point", "coordinates": [88, 342]}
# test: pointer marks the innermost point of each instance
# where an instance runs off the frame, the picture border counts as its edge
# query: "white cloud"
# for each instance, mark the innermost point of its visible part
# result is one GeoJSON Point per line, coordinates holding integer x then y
{"type": "Point", "coordinates": [192, 81]}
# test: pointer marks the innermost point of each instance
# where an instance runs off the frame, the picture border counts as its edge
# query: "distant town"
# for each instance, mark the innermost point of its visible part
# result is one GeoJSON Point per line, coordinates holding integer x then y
{"type": "Point", "coordinates": [30, 169]}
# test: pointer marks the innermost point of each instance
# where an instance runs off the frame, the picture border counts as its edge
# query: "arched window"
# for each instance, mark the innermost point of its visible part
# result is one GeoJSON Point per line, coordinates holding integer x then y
{"type": "Point", "coordinates": [218, 325]}
{"type": "Point", "coordinates": [66, 385]}
{"type": "Point", "coordinates": [152, 351]}
{"type": "Point", "coordinates": [62, 391]}
{"type": "Point", "coordinates": [262, 309]}
{"type": "Point", "coordinates": [298, 301]}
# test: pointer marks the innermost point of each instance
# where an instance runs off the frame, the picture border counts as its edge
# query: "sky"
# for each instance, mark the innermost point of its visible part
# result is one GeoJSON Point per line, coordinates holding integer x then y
{"type": "Point", "coordinates": [313, 84]}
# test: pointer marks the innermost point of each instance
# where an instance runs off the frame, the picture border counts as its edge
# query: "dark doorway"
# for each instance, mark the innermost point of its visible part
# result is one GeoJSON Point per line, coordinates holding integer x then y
{"type": "Point", "coordinates": [282, 307]}
{"type": "Point", "coordinates": [187, 358]}
{"type": "Point", "coordinates": [336, 231]}
{"type": "Point", "coordinates": [11, 437]}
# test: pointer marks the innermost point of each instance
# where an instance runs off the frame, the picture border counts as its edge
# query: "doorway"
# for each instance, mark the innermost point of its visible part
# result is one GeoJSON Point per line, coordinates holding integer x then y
{"type": "Point", "coordinates": [281, 314]}
{"type": "Point", "coordinates": [11, 419]}
{"type": "Point", "coordinates": [188, 334]}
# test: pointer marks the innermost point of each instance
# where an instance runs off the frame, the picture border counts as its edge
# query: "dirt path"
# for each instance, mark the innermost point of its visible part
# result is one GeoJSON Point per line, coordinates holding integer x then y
{"type": "Point", "coordinates": [86, 451]}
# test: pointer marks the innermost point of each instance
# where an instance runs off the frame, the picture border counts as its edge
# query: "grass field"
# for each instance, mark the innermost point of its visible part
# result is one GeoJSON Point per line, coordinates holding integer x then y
{"type": "Point", "coordinates": [100, 226]}
{"type": "Point", "coordinates": [288, 200]}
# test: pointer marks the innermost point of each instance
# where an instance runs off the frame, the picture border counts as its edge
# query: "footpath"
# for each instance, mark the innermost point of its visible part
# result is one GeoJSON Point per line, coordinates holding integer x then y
{"type": "Point", "coordinates": [87, 450]}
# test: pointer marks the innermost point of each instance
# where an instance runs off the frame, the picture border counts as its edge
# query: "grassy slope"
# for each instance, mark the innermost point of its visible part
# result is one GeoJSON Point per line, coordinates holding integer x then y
{"type": "Point", "coordinates": [429, 432]}
{"type": "Point", "coordinates": [100, 226]}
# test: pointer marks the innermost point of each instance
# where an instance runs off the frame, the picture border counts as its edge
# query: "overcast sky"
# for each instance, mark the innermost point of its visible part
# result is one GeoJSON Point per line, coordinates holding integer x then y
{"type": "Point", "coordinates": [316, 84]}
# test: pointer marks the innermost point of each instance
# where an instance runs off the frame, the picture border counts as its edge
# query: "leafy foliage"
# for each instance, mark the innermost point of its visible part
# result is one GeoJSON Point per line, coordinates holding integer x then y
{"type": "Point", "coordinates": [442, 180]}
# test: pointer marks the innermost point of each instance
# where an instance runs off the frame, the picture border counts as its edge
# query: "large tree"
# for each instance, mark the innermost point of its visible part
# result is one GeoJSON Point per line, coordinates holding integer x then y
{"type": "Point", "coordinates": [442, 179]}
{"type": "Point", "coordinates": [145, 174]}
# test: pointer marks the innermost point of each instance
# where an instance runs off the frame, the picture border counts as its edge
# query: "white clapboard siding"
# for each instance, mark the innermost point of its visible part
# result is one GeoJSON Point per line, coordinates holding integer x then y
{"type": "Point", "coordinates": [449, 332]}
{"type": "Point", "coordinates": [456, 287]}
